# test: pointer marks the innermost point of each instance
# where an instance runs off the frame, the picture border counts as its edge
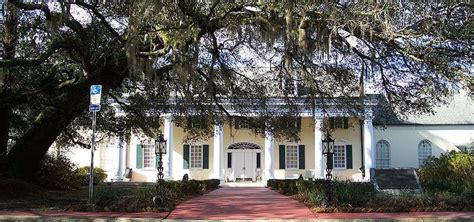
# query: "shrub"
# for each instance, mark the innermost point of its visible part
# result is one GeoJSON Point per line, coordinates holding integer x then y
{"type": "Point", "coordinates": [83, 175]}
{"type": "Point", "coordinates": [105, 196]}
{"type": "Point", "coordinates": [314, 192]}
{"type": "Point", "coordinates": [354, 194]}
{"type": "Point", "coordinates": [453, 172]}
{"type": "Point", "coordinates": [288, 187]}
{"type": "Point", "coordinates": [57, 173]}
{"type": "Point", "coordinates": [133, 199]}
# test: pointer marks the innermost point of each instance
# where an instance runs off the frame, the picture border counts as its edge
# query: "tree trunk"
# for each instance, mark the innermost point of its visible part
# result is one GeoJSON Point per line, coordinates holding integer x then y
{"type": "Point", "coordinates": [4, 129]}
{"type": "Point", "coordinates": [25, 157]}
{"type": "Point", "coordinates": [9, 40]}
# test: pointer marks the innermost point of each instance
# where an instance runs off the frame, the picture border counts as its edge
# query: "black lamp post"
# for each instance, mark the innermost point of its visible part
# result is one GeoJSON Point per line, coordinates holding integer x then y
{"type": "Point", "coordinates": [160, 149]}
{"type": "Point", "coordinates": [328, 150]}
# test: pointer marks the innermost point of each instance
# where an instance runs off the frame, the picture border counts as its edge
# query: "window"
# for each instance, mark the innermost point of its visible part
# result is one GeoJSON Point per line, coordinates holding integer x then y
{"type": "Point", "coordinates": [195, 156]}
{"type": "Point", "coordinates": [289, 86]}
{"type": "Point", "coordinates": [240, 123]}
{"type": "Point", "coordinates": [106, 158]}
{"type": "Point", "coordinates": [382, 155]}
{"type": "Point", "coordinates": [339, 159]}
{"type": "Point", "coordinates": [148, 155]}
{"type": "Point", "coordinates": [424, 151]}
{"type": "Point", "coordinates": [339, 122]}
{"type": "Point", "coordinates": [195, 122]}
{"type": "Point", "coordinates": [291, 157]}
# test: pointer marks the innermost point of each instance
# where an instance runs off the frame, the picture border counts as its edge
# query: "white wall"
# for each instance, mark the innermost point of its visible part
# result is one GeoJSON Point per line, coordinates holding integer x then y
{"type": "Point", "coordinates": [404, 141]}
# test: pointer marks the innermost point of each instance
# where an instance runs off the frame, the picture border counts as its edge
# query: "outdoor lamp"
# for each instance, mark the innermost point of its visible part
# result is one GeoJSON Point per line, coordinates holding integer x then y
{"type": "Point", "coordinates": [160, 149]}
{"type": "Point", "coordinates": [328, 150]}
{"type": "Point", "coordinates": [160, 145]}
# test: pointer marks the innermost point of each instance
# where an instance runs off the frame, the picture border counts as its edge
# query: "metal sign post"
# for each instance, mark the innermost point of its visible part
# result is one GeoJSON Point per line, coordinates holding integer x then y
{"type": "Point", "coordinates": [94, 107]}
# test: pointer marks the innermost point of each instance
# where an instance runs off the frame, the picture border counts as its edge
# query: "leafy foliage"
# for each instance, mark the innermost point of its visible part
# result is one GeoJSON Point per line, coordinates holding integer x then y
{"type": "Point", "coordinates": [99, 175]}
{"type": "Point", "coordinates": [216, 60]}
{"type": "Point", "coordinates": [57, 172]}
{"type": "Point", "coordinates": [453, 171]}
{"type": "Point", "coordinates": [139, 198]}
{"type": "Point", "coordinates": [362, 197]}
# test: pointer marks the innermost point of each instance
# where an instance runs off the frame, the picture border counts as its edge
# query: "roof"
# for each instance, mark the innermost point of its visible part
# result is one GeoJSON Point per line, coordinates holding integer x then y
{"type": "Point", "coordinates": [458, 111]}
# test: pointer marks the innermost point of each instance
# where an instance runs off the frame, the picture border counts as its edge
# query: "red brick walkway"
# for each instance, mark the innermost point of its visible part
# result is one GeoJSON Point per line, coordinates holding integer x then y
{"type": "Point", "coordinates": [241, 203]}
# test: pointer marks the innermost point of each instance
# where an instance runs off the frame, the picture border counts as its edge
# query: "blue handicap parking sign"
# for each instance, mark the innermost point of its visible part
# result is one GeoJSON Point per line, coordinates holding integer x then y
{"type": "Point", "coordinates": [96, 89]}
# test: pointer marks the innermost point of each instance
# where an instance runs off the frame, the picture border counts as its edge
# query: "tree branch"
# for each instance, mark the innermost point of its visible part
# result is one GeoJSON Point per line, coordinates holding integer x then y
{"type": "Point", "coordinates": [102, 20]}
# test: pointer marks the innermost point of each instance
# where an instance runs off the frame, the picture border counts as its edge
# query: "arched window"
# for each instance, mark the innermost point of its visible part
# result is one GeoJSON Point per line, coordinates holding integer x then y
{"type": "Point", "coordinates": [382, 155]}
{"type": "Point", "coordinates": [424, 151]}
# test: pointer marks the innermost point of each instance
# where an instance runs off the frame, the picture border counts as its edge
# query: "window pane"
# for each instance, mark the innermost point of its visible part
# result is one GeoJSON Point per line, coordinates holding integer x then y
{"type": "Point", "coordinates": [382, 153]}
{"type": "Point", "coordinates": [339, 156]}
{"type": "Point", "coordinates": [195, 157]}
{"type": "Point", "coordinates": [291, 156]}
{"type": "Point", "coordinates": [148, 155]}
{"type": "Point", "coordinates": [424, 151]}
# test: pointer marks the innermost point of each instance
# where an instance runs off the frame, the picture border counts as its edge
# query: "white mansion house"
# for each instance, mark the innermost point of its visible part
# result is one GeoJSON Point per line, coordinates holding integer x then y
{"type": "Point", "coordinates": [236, 153]}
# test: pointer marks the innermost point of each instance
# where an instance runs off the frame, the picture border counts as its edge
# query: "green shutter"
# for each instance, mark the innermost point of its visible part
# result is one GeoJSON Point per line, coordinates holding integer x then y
{"type": "Point", "coordinates": [185, 156]}
{"type": "Point", "coordinates": [229, 160]}
{"type": "Point", "coordinates": [139, 156]}
{"type": "Point", "coordinates": [346, 122]}
{"type": "Point", "coordinates": [259, 157]}
{"type": "Point", "coordinates": [282, 156]}
{"type": "Point", "coordinates": [301, 156]}
{"type": "Point", "coordinates": [298, 123]}
{"type": "Point", "coordinates": [330, 160]}
{"type": "Point", "coordinates": [348, 156]}
{"type": "Point", "coordinates": [205, 156]}
{"type": "Point", "coordinates": [331, 122]}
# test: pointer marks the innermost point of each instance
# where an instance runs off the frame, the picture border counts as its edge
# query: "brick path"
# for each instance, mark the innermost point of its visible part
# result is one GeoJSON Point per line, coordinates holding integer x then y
{"type": "Point", "coordinates": [241, 203]}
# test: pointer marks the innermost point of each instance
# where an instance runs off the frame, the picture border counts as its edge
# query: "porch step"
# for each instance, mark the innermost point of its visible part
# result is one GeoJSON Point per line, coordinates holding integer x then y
{"type": "Point", "coordinates": [244, 184]}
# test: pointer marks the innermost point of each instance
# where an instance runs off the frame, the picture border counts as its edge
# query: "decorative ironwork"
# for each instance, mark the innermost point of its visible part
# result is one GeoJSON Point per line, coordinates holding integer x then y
{"type": "Point", "coordinates": [328, 150]}
{"type": "Point", "coordinates": [244, 145]}
{"type": "Point", "coordinates": [160, 149]}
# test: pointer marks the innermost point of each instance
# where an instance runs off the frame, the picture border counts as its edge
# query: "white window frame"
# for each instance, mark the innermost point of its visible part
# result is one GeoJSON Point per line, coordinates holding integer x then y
{"type": "Point", "coordinates": [345, 156]}
{"type": "Point", "coordinates": [153, 159]}
{"type": "Point", "coordinates": [422, 160]}
{"type": "Point", "coordinates": [377, 150]}
{"type": "Point", "coordinates": [297, 156]}
{"type": "Point", "coordinates": [190, 156]}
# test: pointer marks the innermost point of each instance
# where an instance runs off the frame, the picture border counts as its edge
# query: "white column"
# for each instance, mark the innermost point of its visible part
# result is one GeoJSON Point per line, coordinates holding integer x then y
{"type": "Point", "coordinates": [318, 147]}
{"type": "Point", "coordinates": [168, 135]}
{"type": "Point", "coordinates": [218, 148]}
{"type": "Point", "coordinates": [121, 159]}
{"type": "Point", "coordinates": [369, 151]}
{"type": "Point", "coordinates": [269, 140]}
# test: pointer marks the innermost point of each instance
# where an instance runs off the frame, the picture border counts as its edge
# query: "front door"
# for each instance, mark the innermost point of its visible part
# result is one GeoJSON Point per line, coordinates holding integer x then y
{"type": "Point", "coordinates": [244, 165]}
